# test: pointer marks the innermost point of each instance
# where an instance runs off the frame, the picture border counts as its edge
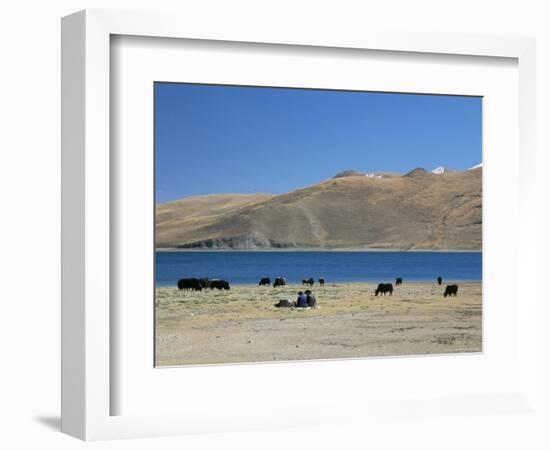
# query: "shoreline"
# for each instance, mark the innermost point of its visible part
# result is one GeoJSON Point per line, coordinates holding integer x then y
{"type": "Point", "coordinates": [299, 285]}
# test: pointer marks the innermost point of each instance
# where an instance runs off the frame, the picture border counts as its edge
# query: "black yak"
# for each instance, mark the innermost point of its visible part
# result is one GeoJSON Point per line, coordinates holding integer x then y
{"type": "Point", "coordinates": [264, 282]}
{"type": "Point", "coordinates": [451, 290]}
{"type": "Point", "coordinates": [279, 281]}
{"type": "Point", "coordinates": [219, 284]}
{"type": "Point", "coordinates": [308, 281]}
{"type": "Point", "coordinates": [322, 281]}
{"type": "Point", "coordinates": [398, 281]}
{"type": "Point", "coordinates": [189, 283]}
{"type": "Point", "coordinates": [384, 288]}
{"type": "Point", "coordinates": [439, 280]}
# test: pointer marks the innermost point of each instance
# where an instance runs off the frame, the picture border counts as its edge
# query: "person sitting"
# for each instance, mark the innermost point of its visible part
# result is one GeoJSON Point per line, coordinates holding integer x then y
{"type": "Point", "coordinates": [311, 300]}
{"type": "Point", "coordinates": [301, 301]}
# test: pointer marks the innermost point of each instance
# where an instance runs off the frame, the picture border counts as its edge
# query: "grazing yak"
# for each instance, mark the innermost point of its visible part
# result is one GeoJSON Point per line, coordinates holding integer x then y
{"type": "Point", "coordinates": [189, 283]}
{"type": "Point", "coordinates": [308, 281]}
{"type": "Point", "coordinates": [264, 282]}
{"type": "Point", "coordinates": [322, 281]}
{"type": "Point", "coordinates": [219, 284]}
{"type": "Point", "coordinates": [279, 281]}
{"type": "Point", "coordinates": [384, 288]}
{"type": "Point", "coordinates": [439, 280]}
{"type": "Point", "coordinates": [398, 281]}
{"type": "Point", "coordinates": [451, 290]}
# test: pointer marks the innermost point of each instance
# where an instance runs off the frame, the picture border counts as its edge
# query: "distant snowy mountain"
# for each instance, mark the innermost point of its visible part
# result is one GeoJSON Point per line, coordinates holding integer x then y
{"type": "Point", "coordinates": [439, 170]}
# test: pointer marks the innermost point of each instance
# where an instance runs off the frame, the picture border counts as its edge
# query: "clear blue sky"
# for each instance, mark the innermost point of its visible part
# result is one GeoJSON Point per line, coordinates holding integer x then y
{"type": "Point", "coordinates": [232, 139]}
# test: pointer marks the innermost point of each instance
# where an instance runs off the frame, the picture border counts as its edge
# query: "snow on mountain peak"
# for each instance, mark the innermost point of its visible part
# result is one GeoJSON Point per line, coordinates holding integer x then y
{"type": "Point", "coordinates": [439, 170]}
{"type": "Point", "coordinates": [477, 166]}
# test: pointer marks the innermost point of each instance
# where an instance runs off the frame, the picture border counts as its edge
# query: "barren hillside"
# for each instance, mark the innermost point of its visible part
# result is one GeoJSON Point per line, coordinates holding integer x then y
{"type": "Point", "coordinates": [420, 210]}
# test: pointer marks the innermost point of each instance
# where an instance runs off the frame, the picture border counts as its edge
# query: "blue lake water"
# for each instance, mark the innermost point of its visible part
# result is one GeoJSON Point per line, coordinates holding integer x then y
{"type": "Point", "coordinates": [247, 267]}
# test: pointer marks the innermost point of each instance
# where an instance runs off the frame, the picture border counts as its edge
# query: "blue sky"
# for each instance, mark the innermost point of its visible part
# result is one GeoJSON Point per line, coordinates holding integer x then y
{"type": "Point", "coordinates": [232, 139]}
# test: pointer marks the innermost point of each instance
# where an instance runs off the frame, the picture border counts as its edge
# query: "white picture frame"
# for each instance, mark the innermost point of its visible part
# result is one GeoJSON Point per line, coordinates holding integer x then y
{"type": "Point", "coordinates": [88, 328]}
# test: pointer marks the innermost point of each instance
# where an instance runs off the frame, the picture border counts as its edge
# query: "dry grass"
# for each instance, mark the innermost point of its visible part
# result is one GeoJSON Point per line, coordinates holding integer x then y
{"type": "Point", "coordinates": [242, 325]}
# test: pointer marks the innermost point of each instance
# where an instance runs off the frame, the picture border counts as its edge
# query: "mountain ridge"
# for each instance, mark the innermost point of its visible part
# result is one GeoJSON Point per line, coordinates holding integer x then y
{"type": "Point", "coordinates": [421, 210]}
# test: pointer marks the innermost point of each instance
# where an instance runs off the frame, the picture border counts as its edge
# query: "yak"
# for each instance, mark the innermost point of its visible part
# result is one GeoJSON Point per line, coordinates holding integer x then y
{"type": "Point", "coordinates": [264, 282]}
{"type": "Point", "coordinates": [219, 284]}
{"type": "Point", "coordinates": [189, 283]}
{"type": "Point", "coordinates": [321, 281]}
{"type": "Point", "coordinates": [439, 280]}
{"type": "Point", "coordinates": [398, 281]}
{"type": "Point", "coordinates": [308, 281]}
{"type": "Point", "coordinates": [451, 290]}
{"type": "Point", "coordinates": [384, 288]}
{"type": "Point", "coordinates": [279, 281]}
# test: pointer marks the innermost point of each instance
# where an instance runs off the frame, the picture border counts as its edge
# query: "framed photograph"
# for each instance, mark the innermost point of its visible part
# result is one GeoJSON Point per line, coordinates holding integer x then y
{"type": "Point", "coordinates": [260, 224]}
{"type": "Point", "coordinates": [318, 262]}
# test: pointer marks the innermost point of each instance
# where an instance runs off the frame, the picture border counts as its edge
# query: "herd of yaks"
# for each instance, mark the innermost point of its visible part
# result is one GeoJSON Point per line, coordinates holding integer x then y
{"type": "Point", "coordinates": [387, 288]}
{"type": "Point", "coordinates": [198, 284]}
{"type": "Point", "coordinates": [281, 281]}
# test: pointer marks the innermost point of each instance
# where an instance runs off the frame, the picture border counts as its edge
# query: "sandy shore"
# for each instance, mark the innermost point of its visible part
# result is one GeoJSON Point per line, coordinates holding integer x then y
{"type": "Point", "coordinates": [242, 325]}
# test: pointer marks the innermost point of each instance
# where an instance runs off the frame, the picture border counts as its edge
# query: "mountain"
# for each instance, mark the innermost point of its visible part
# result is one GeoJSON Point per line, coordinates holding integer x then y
{"type": "Point", "coordinates": [178, 219]}
{"type": "Point", "coordinates": [419, 210]}
{"type": "Point", "coordinates": [419, 171]}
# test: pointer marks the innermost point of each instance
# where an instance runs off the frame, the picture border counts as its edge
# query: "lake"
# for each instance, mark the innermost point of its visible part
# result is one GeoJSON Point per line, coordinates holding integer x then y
{"type": "Point", "coordinates": [247, 267]}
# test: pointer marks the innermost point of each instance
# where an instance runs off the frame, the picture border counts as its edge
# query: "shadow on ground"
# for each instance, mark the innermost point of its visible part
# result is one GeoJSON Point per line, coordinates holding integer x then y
{"type": "Point", "coordinates": [51, 422]}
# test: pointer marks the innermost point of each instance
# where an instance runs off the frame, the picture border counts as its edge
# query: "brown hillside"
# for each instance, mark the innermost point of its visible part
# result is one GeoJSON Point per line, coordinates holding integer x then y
{"type": "Point", "coordinates": [418, 211]}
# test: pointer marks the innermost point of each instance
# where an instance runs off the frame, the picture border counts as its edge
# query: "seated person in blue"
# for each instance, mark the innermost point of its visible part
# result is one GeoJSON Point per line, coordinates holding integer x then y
{"type": "Point", "coordinates": [311, 300]}
{"type": "Point", "coordinates": [301, 301]}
